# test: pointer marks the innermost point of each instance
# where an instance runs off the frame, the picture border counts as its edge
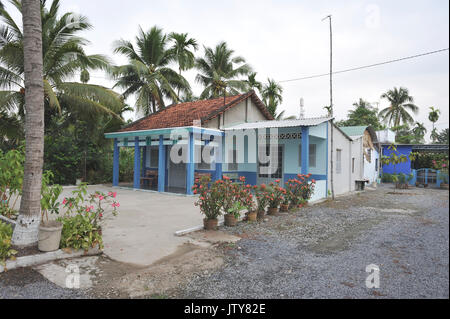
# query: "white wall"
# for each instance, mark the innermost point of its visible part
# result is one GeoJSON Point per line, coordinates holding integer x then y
{"type": "Point", "coordinates": [236, 115]}
{"type": "Point", "coordinates": [370, 169]}
{"type": "Point", "coordinates": [342, 181]}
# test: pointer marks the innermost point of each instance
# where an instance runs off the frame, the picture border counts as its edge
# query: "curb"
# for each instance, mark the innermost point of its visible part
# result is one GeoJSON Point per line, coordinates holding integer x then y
{"type": "Point", "coordinates": [34, 260]}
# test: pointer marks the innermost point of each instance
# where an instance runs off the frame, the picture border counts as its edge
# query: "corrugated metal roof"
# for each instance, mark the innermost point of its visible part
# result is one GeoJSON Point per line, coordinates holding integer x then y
{"type": "Point", "coordinates": [277, 124]}
{"type": "Point", "coordinates": [354, 131]}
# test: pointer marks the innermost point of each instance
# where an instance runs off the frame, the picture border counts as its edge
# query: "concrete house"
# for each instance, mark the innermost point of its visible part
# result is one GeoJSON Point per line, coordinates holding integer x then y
{"type": "Point", "coordinates": [234, 136]}
{"type": "Point", "coordinates": [366, 159]}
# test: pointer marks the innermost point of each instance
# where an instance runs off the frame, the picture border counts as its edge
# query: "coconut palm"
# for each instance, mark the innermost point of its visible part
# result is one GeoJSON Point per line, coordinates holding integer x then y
{"type": "Point", "coordinates": [181, 51]}
{"type": "Point", "coordinates": [272, 96]}
{"type": "Point", "coordinates": [63, 58]}
{"type": "Point", "coordinates": [26, 230]}
{"type": "Point", "coordinates": [252, 83]}
{"type": "Point", "coordinates": [400, 105]}
{"type": "Point", "coordinates": [433, 116]}
{"type": "Point", "coordinates": [147, 73]}
{"type": "Point", "coordinates": [220, 72]}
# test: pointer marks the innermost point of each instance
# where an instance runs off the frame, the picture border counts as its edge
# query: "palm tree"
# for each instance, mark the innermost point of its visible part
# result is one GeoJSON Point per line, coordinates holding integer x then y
{"type": "Point", "coordinates": [219, 72]}
{"type": "Point", "coordinates": [400, 103]}
{"type": "Point", "coordinates": [362, 104]}
{"type": "Point", "coordinates": [272, 96]}
{"type": "Point", "coordinates": [147, 73]}
{"type": "Point", "coordinates": [63, 57]}
{"type": "Point", "coordinates": [181, 51]}
{"type": "Point", "coordinates": [252, 83]}
{"type": "Point", "coordinates": [419, 131]}
{"type": "Point", "coordinates": [26, 229]}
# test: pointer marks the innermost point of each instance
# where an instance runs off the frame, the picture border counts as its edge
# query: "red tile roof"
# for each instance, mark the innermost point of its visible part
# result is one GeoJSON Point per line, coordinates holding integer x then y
{"type": "Point", "coordinates": [184, 114]}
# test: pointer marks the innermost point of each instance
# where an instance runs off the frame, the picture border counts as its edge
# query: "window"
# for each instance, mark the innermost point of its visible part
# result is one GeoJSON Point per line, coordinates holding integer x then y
{"type": "Point", "coordinates": [154, 157]}
{"type": "Point", "coordinates": [202, 163]}
{"type": "Point", "coordinates": [312, 155]}
{"type": "Point", "coordinates": [275, 164]}
{"type": "Point", "coordinates": [233, 166]}
{"type": "Point", "coordinates": [376, 165]}
{"type": "Point", "coordinates": [353, 165]}
{"type": "Point", "coordinates": [369, 155]}
{"type": "Point", "coordinates": [338, 161]}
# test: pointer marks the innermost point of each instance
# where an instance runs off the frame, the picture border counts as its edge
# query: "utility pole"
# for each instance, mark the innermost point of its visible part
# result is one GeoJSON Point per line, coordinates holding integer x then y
{"type": "Point", "coordinates": [331, 107]}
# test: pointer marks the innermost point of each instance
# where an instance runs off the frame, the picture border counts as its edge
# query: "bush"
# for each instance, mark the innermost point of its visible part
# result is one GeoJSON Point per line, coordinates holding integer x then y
{"type": "Point", "coordinates": [387, 178]}
{"type": "Point", "coordinates": [82, 222]}
{"type": "Point", "coordinates": [300, 189]}
{"type": "Point", "coordinates": [6, 252]}
{"type": "Point", "coordinates": [11, 179]}
{"type": "Point", "coordinates": [211, 197]}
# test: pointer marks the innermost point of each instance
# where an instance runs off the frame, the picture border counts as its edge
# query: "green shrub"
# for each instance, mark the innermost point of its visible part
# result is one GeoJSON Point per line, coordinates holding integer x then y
{"type": "Point", "coordinates": [82, 220]}
{"type": "Point", "coordinates": [387, 178]}
{"type": "Point", "coordinates": [6, 252]}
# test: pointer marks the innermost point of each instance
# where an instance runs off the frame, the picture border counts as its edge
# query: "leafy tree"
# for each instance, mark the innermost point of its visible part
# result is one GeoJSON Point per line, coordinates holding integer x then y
{"type": "Point", "coordinates": [401, 103]}
{"type": "Point", "coordinates": [219, 72]}
{"type": "Point", "coordinates": [363, 114]}
{"type": "Point", "coordinates": [403, 134]}
{"type": "Point", "coordinates": [63, 57]}
{"type": "Point", "coordinates": [443, 137]}
{"type": "Point", "coordinates": [147, 73]}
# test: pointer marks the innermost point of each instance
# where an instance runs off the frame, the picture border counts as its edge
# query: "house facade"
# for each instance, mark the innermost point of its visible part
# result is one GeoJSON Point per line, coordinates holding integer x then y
{"type": "Point", "coordinates": [234, 136]}
{"type": "Point", "coordinates": [366, 155]}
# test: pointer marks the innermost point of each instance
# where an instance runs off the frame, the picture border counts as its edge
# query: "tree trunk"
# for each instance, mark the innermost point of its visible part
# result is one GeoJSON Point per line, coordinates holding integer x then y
{"type": "Point", "coordinates": [26, 230]}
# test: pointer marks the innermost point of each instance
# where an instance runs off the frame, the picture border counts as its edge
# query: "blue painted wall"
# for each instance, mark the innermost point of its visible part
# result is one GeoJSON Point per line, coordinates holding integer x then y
{"type": "Point", "coordinates": [404, 168]}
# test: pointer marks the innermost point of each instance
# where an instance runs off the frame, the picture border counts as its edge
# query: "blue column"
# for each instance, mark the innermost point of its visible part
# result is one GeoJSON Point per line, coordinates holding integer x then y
{"type": "Point", "coordinates": [305, 150]}
{"type": "Point", "coordinates": [190, 166]}
{"type": "Point", "coordinates": [161, 165]}
{"type": "Point", "coordinates": [137, 164]}
{"type": "Point", "coordinates": [219, 158]}
{"type": "Point", "coordinates": [116, 163]}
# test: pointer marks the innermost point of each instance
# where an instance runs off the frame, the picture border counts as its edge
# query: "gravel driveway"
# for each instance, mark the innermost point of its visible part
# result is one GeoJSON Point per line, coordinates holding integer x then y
{"type": "Point", "coordinates": [322, 251]}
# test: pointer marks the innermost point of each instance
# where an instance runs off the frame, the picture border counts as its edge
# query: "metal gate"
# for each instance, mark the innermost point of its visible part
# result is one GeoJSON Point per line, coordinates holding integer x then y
{"type": "Point", "coordinates": [426, 177]}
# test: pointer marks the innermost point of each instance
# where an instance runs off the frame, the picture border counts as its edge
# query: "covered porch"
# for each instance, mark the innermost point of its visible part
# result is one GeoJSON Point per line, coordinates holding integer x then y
{"type": "Point", "coordinates": [169, 160]}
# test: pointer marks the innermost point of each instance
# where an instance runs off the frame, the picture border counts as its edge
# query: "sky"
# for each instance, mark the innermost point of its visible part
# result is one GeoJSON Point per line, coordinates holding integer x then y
{"type": "Point", "coordinates": [287, 39]}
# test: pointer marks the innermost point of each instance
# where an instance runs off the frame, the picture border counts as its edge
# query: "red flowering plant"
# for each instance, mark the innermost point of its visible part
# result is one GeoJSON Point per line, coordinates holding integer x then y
{"type": "Point", "coordinates": [262, 197]}
{"type": "Point", "coordinates": [300, 189]}
{"type": "Point", "coordinates": [276, 194]}
{"type": "Point", "coordinates": [210, 197]}
{"type": "Point", "coordinates": [82, 221]}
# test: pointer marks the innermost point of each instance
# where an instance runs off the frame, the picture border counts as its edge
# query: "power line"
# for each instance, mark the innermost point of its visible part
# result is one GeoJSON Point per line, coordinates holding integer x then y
{"type": "Point", "coordinates": [365, 66]}
{"type": "Point", "coordinates": [336, 72]}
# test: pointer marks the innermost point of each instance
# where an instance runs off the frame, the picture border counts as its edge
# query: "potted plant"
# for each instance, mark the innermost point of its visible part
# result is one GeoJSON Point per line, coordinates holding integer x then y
{"type": "Point", "coordinates": [210, 201]}
{"type": "Point", "coordinates": [248, 202]}
{"type": "Point", "coordinates": [275, 197]}
{"type": "Point", "coordinates": [233, 214]}
{"type": "Point", "coordinates": [261, 200]}
{"type": "Point", "coordinates": [284, 206]}
{"type": "Point", "coordinates": [49, 230]}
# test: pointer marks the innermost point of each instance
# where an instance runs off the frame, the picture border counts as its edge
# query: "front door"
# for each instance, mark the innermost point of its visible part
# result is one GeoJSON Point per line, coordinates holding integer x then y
{"type": "Point", "coordinates": [176, 175]}
{"type": "Point", "coordinates": [273, 170]}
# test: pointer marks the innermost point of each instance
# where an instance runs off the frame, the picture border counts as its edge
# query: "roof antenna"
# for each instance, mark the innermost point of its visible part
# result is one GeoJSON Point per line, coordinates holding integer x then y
{"type": "Point", "coordinates": [302, 108]}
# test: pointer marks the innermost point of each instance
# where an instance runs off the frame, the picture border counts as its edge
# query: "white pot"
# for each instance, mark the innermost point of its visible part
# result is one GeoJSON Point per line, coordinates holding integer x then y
{"type": "Point", "coordinates": [49, 236]}
{"type": "Point", "coordinates": [78, 182]}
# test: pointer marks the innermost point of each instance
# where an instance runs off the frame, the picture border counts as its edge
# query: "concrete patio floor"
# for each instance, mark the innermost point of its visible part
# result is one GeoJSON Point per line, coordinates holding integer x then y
{"type": "Point", "coordinates": [143, 231]}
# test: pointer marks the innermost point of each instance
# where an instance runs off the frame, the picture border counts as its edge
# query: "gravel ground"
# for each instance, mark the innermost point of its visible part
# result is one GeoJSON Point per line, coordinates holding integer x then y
{"type": "Point", "coordinates": [26, 283]}
{"type": "Point", "coordinates": [322, 251]}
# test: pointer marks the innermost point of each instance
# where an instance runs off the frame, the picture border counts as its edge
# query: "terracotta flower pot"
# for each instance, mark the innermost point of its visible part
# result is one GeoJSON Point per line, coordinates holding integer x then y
{"type": "Point", "coordinates": [261, 214]}
{"type": "Point", "coordinates": [272, 211]}
{"type": "Point", "coordinates": [284, 208]}
{"type": "Point", "coordinates": [230, 220]}
{"type": "Point", "coordinates": [252, 216]}
{"type": "Point", "coordinates": [210, 224]}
